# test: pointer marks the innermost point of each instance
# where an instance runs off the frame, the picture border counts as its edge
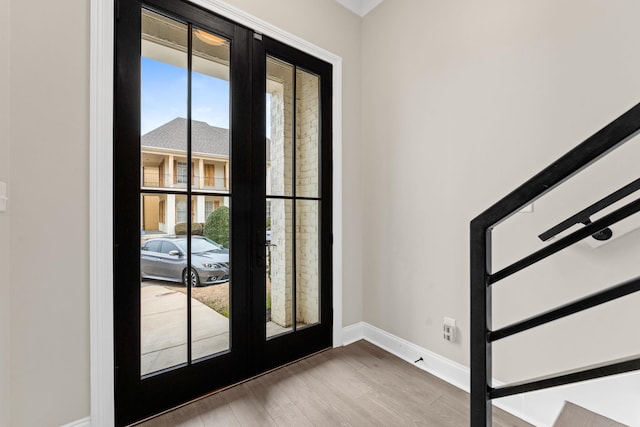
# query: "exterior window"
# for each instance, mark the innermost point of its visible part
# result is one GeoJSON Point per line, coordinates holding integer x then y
{"type": "Point", "coordinates": [208, 208]}
{"type": "Point", "coordinates": [181, 211]}
{"type": "Point", "coordinates": [181, 177]}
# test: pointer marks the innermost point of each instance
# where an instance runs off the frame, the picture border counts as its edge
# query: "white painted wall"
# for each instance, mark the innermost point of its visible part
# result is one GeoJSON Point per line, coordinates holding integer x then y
{"type": "Point", "coordinates": [462, 102]}
{"type": "Point", "coordinates": [4, 218]}
{"type": "Point", "coordinates": [49, 241]}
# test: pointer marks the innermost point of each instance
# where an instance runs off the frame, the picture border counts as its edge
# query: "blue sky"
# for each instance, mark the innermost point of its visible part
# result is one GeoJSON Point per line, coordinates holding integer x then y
{"type": "Point", "coordinates": [164, 96]}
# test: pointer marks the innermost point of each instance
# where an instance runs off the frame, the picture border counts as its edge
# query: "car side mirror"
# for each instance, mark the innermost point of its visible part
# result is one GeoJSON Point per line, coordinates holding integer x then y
{"type": "Point", "coordinates": [174, 253]}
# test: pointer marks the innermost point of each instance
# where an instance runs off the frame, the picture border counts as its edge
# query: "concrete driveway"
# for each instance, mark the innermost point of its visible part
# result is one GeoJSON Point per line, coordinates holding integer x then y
{"type": "Point", "coordinates": [164, 328]}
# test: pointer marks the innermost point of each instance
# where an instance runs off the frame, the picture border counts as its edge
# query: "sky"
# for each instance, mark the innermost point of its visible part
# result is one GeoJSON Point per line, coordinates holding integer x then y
{"type": "Point", "coordinates": [164, 96]}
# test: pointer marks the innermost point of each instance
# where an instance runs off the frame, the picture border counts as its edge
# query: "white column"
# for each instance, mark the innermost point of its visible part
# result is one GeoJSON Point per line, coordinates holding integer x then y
{"type": "Point", "coordinates": [170, 210]}
{"type": "Point", "coordinates": [170, 176]}
{"type": "Point", "coordinates": [201, 175]}
{"type": "Point", "coordinates": [200, 209]}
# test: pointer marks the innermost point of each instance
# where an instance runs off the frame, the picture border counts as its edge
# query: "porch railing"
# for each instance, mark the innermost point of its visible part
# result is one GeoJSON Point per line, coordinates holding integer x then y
{"type": "Point", "coordinates": [482, 278]}
{"type": "Point", "coordinates": [158, 180]}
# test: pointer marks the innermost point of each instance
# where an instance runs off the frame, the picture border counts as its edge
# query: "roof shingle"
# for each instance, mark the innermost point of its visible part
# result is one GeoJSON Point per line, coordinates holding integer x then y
{"type": "Point", "coordinates": [172, 135]}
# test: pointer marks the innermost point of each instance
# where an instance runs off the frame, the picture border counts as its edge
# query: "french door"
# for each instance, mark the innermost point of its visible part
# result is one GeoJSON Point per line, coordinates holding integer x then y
{"type": "Point", "coordinates": [222, 205]}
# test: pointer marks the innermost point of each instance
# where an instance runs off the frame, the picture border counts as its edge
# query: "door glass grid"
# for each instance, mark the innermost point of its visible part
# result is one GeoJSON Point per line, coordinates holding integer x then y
{"type": "Point", "coordinates": [185, 197]}
{"type": "Point", "coordinates": [292, 198]}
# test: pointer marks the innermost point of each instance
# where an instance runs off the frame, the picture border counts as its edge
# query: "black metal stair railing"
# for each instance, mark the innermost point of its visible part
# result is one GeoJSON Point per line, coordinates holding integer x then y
{"type": "Point", "coordinates": [584, 216]}
{"type": "Point", "coordinates": [482, 336]}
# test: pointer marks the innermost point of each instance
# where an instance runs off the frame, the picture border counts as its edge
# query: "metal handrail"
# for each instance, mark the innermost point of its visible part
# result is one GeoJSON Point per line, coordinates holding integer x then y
{"type": "Point", "coordinates": [614, 217]}
{"type": "Point", "coordinates": [584, 216]}
{"type": "Point", "coordinates": [601, 143]}
{"type": "Point", "coordinates": [590, 301]}
{"type": "Point", "coordinates": [599, 370]}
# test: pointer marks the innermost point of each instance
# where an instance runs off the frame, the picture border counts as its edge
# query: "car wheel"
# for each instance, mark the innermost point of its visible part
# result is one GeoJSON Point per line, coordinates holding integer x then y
{"type": "Point", "coordinates": [194, 278]}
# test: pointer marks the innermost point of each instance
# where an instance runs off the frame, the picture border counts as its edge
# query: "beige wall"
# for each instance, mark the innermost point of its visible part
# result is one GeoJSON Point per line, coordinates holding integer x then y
{"type": "Point", "coordinates": [449, 90]}
{"type": "Point", "coordinates": [462, 102]}
{"type": "Point", "coordinates": [4, 217]}
{"type": "Point", "coordinates": [49, 242]}
{"type": "Point", "coordinates": [49, 153]}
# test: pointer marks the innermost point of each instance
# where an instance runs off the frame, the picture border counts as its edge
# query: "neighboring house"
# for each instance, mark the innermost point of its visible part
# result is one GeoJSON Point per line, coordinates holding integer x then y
{"type": "Point", "coordinates": [164, 166]}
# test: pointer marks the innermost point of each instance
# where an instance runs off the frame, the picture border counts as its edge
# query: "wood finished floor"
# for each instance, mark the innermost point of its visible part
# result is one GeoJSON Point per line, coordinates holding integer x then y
{"type": "Point", "coordinates": [357, 385]}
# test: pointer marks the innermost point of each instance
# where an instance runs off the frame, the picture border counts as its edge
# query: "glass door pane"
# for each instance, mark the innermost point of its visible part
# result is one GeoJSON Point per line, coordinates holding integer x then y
{"type": "Point", "coordinates": [279, 268]}
{"type": "Point", "coordinates": [185, 194]}
{"type": "Point", "coordinates": [210, 156]}
{"type": "Point", "coordinates": [307, 134]}
{"type": "Point", "coordinates": [292, 197]}
{"type": "Point", "coordinates": [279, 182]}
{"type": "Point", "coordinates": [163, 206]}
{"type": "Point", "coordinates": [308, 209]}
{"type": "Point", "coordinates": [307, 262]}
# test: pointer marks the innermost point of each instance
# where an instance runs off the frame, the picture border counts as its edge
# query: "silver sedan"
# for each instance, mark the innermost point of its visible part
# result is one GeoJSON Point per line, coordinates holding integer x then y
{"type": "Point", "coordinates": [165, 258]}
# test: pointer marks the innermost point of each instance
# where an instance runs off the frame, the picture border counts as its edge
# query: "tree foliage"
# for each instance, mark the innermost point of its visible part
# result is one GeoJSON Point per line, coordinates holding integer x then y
{"type": "Point", "coordinates": [217, 226]}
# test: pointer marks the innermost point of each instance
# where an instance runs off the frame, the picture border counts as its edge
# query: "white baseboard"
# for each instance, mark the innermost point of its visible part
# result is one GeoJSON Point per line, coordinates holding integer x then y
{"type": "Point", "coordinates": [433, 363]}
{"type": "Point", "coordinates": [612, 397]}
{"type": "Point", "coordinates": [353, 333]}
{"type": "Point", "coordinates": [85, 422]}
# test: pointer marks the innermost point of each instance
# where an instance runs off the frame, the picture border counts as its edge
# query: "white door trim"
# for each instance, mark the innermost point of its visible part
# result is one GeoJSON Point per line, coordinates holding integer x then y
{"type": "Point", "coordinates": [101, 189]}
{"type": "Point", "coordinates": [101, 213]}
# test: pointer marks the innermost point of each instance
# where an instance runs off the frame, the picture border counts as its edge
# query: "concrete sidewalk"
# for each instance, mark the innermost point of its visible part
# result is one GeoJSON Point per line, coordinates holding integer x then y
{"type": "Point", "coordinates": [164, 328]}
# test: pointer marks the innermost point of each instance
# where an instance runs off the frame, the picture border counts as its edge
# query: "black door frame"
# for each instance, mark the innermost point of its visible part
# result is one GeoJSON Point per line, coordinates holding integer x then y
{"type": "Point", "coordinates": [286, 348]}
{"type": "Point", "coordinates": [135, 398]}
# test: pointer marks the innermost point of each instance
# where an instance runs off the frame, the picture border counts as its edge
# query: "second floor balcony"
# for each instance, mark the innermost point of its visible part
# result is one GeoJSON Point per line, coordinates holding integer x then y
{"type": "Point", "coordinates": [155, 179]}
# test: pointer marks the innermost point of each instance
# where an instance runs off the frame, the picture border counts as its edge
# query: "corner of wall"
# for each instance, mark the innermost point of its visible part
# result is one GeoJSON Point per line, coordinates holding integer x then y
{"type": "Point", "coordinates": [5, 295]}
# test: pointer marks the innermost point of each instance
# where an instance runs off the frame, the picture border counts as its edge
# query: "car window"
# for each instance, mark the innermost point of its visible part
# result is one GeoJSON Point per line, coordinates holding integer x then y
{"type": "Point", "coordinates": [168, 247]}
{"type": "Point", "coordinates": [200, 245]}
{"type": "Point", "coordinates": [153, 246]}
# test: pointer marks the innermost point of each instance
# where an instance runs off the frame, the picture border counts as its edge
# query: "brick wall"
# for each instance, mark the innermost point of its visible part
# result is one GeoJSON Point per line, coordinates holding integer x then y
{"type": "Point", "coordinates": [281, 172]}
{"type": "Point", "coordinates": [307, 211]}
{"type": "Point", "coordinates": [307, 185]}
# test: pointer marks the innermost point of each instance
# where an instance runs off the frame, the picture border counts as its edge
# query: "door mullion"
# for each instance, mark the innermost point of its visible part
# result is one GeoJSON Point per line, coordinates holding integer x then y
{"type": "Point", "coordinates": [256, 324]}
{"type": "Point", "coordinates": [189, 188]}
{"type": "Point", "coordinates": [294, 215]}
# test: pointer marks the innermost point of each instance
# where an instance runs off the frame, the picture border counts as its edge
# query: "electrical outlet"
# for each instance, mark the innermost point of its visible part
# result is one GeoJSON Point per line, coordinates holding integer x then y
{"type": "Point", "coordinates": [449, 329]}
